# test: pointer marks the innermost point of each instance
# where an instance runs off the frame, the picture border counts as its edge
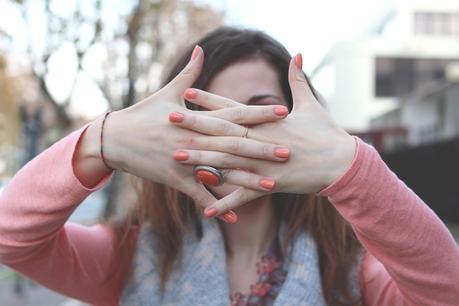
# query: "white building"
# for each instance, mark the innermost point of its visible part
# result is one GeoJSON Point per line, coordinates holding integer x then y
{"type": "Point", "coordinates": [410, 46]}
{"type": "Point", "coordinates": [430, 113]}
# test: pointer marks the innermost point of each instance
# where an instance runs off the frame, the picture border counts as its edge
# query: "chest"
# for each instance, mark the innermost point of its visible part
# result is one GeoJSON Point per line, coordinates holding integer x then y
{"type": "Point", "coordinates": [201, 276]}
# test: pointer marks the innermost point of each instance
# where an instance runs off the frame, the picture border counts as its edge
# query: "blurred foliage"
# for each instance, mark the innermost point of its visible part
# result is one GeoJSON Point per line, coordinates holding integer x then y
{"type": "Point", "coordinates": [137, 44]}
{"type": "Point", "coordinates": [9, 121]}
{"type": "Point", "coordinates": [137, 37]}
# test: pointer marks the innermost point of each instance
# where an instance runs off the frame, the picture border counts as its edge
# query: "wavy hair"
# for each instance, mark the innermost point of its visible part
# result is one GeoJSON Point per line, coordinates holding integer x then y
{"type": "Point", "coordinates": [171, 212]}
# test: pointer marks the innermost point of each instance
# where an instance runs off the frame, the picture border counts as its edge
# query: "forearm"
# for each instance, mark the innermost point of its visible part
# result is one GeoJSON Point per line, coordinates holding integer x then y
{"type": "Point", "coordinates": [397, 228]}
{"type": "Point", "coordinates": [39, 199]}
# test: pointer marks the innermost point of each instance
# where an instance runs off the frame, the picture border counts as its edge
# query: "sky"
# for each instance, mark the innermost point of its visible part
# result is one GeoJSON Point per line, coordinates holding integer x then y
{"type": "Point", "coordinates": [309, 27]}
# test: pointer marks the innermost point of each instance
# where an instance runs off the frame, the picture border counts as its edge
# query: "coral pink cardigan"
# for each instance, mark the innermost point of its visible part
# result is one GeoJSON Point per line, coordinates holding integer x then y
{"type": "Point", "coordinates": [411, 257]}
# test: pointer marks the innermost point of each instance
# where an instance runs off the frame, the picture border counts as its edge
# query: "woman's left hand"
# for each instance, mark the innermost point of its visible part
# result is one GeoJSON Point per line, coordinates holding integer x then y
{"type": "Point", "coordinates": [320, 150]}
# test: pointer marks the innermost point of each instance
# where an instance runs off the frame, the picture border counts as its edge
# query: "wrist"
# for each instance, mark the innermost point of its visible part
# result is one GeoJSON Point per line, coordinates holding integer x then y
{"type": "Point", "coordinates": [87, 164]}
{"type": "Point", "coordinates": [342, 157]}
{"type": "Point", "coordinates": [102, 150]}
{"type": "Point", "coordinates": [89, 150]}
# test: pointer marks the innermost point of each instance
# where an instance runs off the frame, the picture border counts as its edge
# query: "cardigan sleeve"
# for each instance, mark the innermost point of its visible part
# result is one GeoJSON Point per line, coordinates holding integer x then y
{"type": "Point", "coordinates": [412, 258]}
{"type": "Point", "coordinates": [75, 260]}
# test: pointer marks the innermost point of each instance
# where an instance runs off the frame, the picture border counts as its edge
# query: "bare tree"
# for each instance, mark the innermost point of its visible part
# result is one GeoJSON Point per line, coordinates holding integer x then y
{"type": "Point", "coordinates": [146, 33]}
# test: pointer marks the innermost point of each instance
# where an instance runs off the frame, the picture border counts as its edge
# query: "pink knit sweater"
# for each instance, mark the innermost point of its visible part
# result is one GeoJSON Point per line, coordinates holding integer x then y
{"type": "Point", "coordinates": [411, 257]}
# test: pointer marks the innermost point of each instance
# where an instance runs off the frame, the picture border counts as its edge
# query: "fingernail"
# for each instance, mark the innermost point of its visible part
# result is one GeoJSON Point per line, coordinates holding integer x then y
{"type": "Point", "coordinates": [176, 117]}
{"type": "Point", "coordinates": [195, 52]}
{"type": "Point", "coordinates": [181, 155]}
{"type": "Point", "coordinates": [267, 184]}
{"type": "Point", "coordinates": [281, 111]}
{"type": "Point", "coordinates": [190, 94]}
{"type": "Point", "coordinates": [210, 212]}
{"type": "Point", "coordinates": [230, 217]}
{"type": "Point", "coordinates": [299, 60]}
{"type": "Point", "coordinates": [282, 152]}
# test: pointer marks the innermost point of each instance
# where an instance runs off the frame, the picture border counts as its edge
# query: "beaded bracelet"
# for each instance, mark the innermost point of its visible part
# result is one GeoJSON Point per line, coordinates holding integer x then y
{"type": "Point", "coordinates": [102, 141]}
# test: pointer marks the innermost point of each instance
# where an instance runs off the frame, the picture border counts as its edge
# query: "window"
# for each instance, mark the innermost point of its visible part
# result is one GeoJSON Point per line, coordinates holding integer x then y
{"type": "Point", "coordinates": [436, 24]}
{"type": "Point", "coordinates": [395, 77]}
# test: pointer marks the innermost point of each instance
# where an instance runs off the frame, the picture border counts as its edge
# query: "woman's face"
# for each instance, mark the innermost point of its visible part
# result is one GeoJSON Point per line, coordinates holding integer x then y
{"type": "Point", "coordinates": [251, 82]}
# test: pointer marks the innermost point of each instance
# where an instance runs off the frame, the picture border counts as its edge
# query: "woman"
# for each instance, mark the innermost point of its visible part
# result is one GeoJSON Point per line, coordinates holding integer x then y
{"type": "Point", "coordinates": [301, 188]}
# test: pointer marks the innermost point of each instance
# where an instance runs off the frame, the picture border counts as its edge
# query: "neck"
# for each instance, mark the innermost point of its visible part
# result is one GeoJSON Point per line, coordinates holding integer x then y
{"type": "Point", "coordinates": [253, 234]}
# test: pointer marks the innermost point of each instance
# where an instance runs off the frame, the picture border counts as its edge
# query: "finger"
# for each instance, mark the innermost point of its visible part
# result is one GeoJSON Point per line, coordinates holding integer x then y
{"type": "Point", "coordinates": [248, 179]}
{"type": "Point", "coordinates": [214, 159]}
{"type": "Point", "coordinates": [251, 114]}
{"type": "Point", "coordinates": [301, 91]}
{"type": "Point", "coordinates": [240, 146]}
{"type": "Point", "coordinates": [208, 100]}
{"type": "Point", "coordinates": [207, 125]}
{"type": "Point", "coordinates": [237, 177]}
{"type": "Point", "coordinates": [203, 198]}
{"type": "Point", "coordinates": [235, 199]}
{"type": "Point", "coordinates": [189, 74]}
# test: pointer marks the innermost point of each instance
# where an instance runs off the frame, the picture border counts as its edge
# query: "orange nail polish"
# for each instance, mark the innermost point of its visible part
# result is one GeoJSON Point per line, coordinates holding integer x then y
{"type": "Point", "coordinates": [191, 94]}
{"type": "Point", "coordinates": [210, 212]}
{"type": "Point", "coordinates": [207, 178]}
{"type": "Point", "coordinates": [267, 184]}
{"type": "Point", "coordinates": [230, 217]}
{"type": "Point", "coordinates": [176, 117]}
{"type": "Point", "coordinates": [299, 61]}
{"type": "Point", "coordinates": [281, 111]}
{"type": "Point", "coordinates": [181, 155]}
{"type": "Point", "coordinates": [282, 152]}
{"type": "Point", "coordinates": [195, 52]}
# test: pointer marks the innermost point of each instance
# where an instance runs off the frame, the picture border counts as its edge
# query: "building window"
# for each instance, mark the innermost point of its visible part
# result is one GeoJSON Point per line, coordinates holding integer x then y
{"type": "Point", "coordinates": [396, 77]}
{"type": "Point", "coordinates": [436, 24]}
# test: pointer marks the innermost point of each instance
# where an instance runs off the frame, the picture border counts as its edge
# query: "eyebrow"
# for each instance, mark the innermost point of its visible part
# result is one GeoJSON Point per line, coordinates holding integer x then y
{"type": "Point", "coordinates": [257, 98]}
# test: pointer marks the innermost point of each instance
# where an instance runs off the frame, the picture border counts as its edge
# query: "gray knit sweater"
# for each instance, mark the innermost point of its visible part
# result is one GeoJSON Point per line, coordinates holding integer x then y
{"type": "Point", "coordinates": [200, 277]}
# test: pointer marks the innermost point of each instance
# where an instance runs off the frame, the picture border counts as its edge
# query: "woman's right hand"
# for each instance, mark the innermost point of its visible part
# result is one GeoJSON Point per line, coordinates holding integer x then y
{"type": "Point", "coordinates": [140, 139]}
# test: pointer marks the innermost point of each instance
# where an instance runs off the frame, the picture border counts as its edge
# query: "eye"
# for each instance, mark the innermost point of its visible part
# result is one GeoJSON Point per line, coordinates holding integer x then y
{"type": "Point", "coordinates": [266, 101]}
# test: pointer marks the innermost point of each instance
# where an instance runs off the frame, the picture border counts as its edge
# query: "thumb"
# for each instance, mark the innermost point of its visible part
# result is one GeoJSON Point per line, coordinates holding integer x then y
{"type": "Point", "coordinates": [189, 74]}
{"type": "Point", "coordinates": [301, 91]}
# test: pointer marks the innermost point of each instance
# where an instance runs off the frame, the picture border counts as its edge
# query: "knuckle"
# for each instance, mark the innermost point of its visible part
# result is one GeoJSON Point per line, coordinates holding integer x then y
{"type": "Point", "coordinates": [267, 112]}
{"type": "Point", "coordinates": [192, 121]}
{"type": "Point", "coordinates": [226, 160]}
{"type": "Point", "coordinates": [203, 96]}
{"type": "Point", "coordinates": [242, 196]}
{"type": "Point", "coordinates": [234, 146]}
{"type": "Point", "coordinates": [188, 71]}
{"type": "Point", "coordinates": [239, 115]}
{"type": "Point", "coordinates": [196, 157]}
{"type": "Point", "coordinates": [266, 150]}
{"type": "Point", "coordinates": [227, 173]}
{"type": "Point", "coordinates": [225, 205]}
{"type": "Point", "coordinates": [300, 78]}
{"type": "Point", "coordinates": [227, 103]}
{"type": "Point", "coordinates": [223, 128]}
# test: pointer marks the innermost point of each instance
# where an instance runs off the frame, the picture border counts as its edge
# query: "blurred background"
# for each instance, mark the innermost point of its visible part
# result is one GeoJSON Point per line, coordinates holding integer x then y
{"type": "Point", "coordinates": [387, 69]}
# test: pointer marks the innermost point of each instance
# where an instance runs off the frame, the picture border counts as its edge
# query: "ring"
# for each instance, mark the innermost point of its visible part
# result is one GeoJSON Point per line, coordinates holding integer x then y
{"type": "Point", "coordinates": [208, 175]}
{"type": "Point", "coordinates": [246, 132]}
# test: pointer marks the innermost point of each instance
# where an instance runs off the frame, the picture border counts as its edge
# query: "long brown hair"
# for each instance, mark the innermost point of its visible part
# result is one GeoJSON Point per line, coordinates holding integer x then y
{"type": "Point", "coordinates": [171, 212]}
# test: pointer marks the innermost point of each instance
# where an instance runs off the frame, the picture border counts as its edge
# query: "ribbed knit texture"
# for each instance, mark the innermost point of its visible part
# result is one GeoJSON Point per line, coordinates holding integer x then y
{"type": "Point", "coordinates": [200, 278]}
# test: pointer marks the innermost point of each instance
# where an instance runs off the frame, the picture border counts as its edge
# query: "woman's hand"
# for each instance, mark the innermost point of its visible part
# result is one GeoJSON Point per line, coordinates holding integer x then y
{"type": "Point", "coordinates": [321, 151]}
{"type": "Point", "coordinates": [140, 139]}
